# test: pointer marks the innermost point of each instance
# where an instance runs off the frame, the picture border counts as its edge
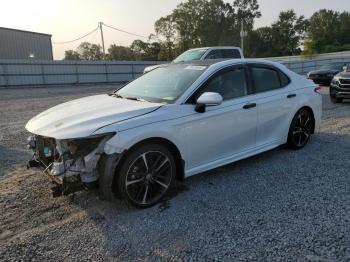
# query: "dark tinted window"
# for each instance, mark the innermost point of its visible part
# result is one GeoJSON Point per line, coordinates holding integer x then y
{"type": "Point", "coordinates": [284, 79]}
{"type": "Point", "coordinates": [231, 53]}
{"type": "Point", "coordinates": [265, 79]}
{"type": "Point", "coordinates": [229, 84]}
{"type": "Point", "coordinates": [214, 54]}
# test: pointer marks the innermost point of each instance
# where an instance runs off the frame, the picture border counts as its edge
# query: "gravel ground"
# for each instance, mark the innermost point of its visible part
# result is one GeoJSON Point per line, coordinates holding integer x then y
{"type": "Point", "coordinates": [281, 205]}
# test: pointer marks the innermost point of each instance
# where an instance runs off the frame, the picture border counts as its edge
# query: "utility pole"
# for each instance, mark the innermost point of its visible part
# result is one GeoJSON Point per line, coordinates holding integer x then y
{"type": "Point", "coordinates": [103, 41]}
{"type": "Point", "coordinates": [242, 35]}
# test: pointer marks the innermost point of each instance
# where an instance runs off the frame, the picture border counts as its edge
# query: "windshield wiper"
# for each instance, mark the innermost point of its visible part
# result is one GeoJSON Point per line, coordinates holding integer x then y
{"type": "Point", "coordinates": [117, 95]}
{"type": "Point", "coordinates": [130, 98]}
{"type": "Point", "coordinates": [136, 99]}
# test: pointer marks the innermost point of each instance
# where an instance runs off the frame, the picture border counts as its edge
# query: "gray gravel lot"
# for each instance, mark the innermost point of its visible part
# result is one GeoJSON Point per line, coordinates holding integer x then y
{"type": "Point", "coordinates": [281, 205]}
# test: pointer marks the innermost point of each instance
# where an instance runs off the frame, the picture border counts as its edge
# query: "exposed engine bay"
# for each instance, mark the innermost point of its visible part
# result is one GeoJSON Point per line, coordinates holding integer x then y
{"type": "Point", "coordinates": [70, 160]}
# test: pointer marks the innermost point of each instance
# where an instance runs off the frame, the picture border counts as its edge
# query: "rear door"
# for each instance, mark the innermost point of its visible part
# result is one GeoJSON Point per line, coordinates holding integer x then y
{"type": "Point", "coordinates": [275, 102]}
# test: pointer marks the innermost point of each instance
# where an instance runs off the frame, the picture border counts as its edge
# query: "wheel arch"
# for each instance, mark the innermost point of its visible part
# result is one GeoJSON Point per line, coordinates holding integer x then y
{"type": "Point", "coordinates": [312, 115]}
{"type": "Point", "coordinates": [108, 165]}
{"type": "Point", "coordinates": [180, 163]}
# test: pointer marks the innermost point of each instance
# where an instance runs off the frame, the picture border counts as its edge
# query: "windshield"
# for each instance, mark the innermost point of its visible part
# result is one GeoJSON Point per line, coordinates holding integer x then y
{"type": "Point", "coordinates": [190, 55]}
{"type": "Point", "coordinates": [333, 66]}
{"type": "Point", "coordinates": [164, 84]}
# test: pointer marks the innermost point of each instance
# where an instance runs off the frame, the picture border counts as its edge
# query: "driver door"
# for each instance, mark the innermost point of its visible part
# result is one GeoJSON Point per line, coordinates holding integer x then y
{"type": "Point", "coordinates": [223, 130]}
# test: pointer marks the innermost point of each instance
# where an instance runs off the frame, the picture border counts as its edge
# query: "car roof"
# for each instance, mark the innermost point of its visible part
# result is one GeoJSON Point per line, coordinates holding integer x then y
{"type": "Point", "coordinates": [214, 47]}
{"type": "Point", "coordinates": [211, 62]}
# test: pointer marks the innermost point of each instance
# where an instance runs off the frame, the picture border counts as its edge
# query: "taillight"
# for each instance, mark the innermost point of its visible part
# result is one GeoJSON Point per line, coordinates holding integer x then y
{"type": "Point", "coordinates": [318, 89]}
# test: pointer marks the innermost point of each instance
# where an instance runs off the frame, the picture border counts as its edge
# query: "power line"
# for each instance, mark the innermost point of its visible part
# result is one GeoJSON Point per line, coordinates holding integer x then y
{"type": "Point", "coordinates": [71, 41]}
{"type": "Point", "coordinates": [123, 31]}
{"type": "Point", "coordinates": [94, 36]}
{"type": "Point", "coordinates": [95, 30]}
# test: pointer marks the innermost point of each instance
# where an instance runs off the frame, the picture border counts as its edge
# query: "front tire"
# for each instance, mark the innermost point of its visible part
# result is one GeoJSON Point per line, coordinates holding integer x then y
{"type": "Point", "coordinates": [300, 129]}
{"type": "Point", "coordinates": [146, 175]}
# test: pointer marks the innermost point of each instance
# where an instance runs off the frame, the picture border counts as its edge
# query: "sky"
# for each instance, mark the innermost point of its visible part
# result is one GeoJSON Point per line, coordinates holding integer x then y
{"type": "Point", "coordinates": [69, 19]}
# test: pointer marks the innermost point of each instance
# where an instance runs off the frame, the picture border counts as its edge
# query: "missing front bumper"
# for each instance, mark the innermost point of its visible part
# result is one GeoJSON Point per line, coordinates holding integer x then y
{"type": "Point", "coordinates": [68, 161]}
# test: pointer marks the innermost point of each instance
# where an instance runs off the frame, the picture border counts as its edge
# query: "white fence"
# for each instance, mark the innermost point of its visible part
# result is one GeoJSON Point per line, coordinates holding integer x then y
{"type": "Point", "coordinates": [304, 64]}
{"type": "Point", "coordinates": [38, 73]}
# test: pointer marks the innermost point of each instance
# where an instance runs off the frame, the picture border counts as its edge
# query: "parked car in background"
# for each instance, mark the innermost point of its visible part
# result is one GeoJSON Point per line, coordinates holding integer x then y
{"type": "Point", "coordinates": [340, 86]}
{"type": "Point", "coordinates": [174, 122]}
{"type": "Point", "coordinates": [325, 74]}
{"type": "Point", "coordinates": [203, 53]}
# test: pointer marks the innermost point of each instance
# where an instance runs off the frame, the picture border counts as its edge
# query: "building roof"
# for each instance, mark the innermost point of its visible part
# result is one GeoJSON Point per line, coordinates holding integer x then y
{"type": "Point", "coordinates": [24, 31]}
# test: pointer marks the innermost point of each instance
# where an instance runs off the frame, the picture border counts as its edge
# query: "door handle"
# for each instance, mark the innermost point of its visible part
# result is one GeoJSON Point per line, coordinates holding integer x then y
{"type": "Point", "coordinates": [247, 106]}
{"type": "Point", "coordinates": [291, 95]}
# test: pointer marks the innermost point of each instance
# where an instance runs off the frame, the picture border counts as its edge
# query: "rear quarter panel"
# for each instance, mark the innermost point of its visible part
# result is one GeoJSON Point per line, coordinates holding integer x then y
{"type": "Point", "coordinates": [307, 97]}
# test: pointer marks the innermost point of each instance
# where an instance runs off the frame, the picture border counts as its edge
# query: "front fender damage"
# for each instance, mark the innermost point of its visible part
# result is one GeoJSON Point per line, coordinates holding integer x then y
{"type": "Point", "coordinates": [71, 161]}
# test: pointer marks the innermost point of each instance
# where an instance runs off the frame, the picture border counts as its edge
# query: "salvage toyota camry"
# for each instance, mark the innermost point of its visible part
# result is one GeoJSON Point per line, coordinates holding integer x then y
{"type": "Point", "coordinates": [174, 122]}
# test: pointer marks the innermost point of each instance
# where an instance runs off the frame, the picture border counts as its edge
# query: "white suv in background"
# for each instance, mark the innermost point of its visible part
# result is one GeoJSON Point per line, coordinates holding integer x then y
{"type": "Point", "coordinates": [203, 53]}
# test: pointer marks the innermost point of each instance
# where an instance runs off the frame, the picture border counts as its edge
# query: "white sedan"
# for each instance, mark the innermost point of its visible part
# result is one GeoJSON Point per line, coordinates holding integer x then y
{"type": "Point", "coordinates": [174, 122]}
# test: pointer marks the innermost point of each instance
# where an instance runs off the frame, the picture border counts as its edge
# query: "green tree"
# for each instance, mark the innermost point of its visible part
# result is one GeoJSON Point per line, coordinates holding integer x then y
{"type": "Point", "coordinates": [166, 35]}
{"type": "Point", "coordinates": [259, 43]}
{"type": "Point", "coordinates": [198, 23]}
{"type": "Point", "coordinates": [89, 51]}
{"type": "Point", "coordinates": [283, 38]}
{"type": "Point", "coordinates": [328, 31]}
{"type": "Point", "coordinates": [71, 55]}
{"type": "Point", "coordinates": [289, 33]}
{"type": "Point", "coordinates": [120, 53]}
{"type": "Point", "coordinates": [247, 11]}
{"type": "Point", "coordinates": [145, 51]}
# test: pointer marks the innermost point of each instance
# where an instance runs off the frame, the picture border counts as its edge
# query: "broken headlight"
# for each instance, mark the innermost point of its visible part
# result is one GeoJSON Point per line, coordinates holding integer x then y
{"type": "Point", "coordinates": [69, 158]}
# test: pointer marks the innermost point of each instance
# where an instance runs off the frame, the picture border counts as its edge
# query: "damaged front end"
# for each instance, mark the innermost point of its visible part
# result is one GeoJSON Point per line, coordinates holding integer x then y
{"type": "Point", "coordinates": [70, 160]}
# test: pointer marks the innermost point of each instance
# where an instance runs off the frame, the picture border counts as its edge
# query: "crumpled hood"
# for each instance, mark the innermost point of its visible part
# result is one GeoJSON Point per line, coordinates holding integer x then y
{"type": "Point", "coordinates": [81, 117]}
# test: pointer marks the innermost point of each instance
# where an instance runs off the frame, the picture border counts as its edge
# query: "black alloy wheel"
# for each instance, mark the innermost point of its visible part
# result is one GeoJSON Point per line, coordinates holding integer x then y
{"type": "Point", "coordinates": [300, 129]}
{"type": "Point", "coordinates": [146, 175]}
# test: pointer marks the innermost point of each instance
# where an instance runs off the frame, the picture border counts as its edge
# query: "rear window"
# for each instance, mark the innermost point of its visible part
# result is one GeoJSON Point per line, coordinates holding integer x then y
{"type": "Point", "coordinates": [284, 79]}
{"type": "Point", "coordinates": [265, 79]}
{"type": "Point", "coordinates": [268, 78]}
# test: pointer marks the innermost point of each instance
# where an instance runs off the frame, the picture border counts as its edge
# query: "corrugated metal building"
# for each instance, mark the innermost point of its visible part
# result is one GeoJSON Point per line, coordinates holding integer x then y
{"type": "Point", "coordinates": [19, 44]}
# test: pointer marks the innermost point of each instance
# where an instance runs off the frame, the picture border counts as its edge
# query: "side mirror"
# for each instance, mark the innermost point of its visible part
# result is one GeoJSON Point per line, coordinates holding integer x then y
{"type": "Point", "coordinates": [346, 68]}
{"type": "Point", "coordinates": [208, 99]}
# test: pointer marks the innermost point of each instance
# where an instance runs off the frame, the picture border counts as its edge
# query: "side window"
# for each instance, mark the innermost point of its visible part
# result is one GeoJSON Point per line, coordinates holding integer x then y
{"type": "Point", "coordinates": [284, 79]}
{"type": "Point", "coordinates": [214, 54]}
{"type": "Point", "coordinates": [229, 84]}
{"type": "Point", "coordinates": [231, 53]}
{"type": "Point", "coordinates": [265, 79]}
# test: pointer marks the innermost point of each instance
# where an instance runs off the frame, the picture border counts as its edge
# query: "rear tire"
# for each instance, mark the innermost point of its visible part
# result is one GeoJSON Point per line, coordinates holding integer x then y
{"type": "Point", "coordinates": [335, 100]}
{"type": "Point", "coordinates": [146, 174]}
{"type": "Point", "coordinates": [300, 129]}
